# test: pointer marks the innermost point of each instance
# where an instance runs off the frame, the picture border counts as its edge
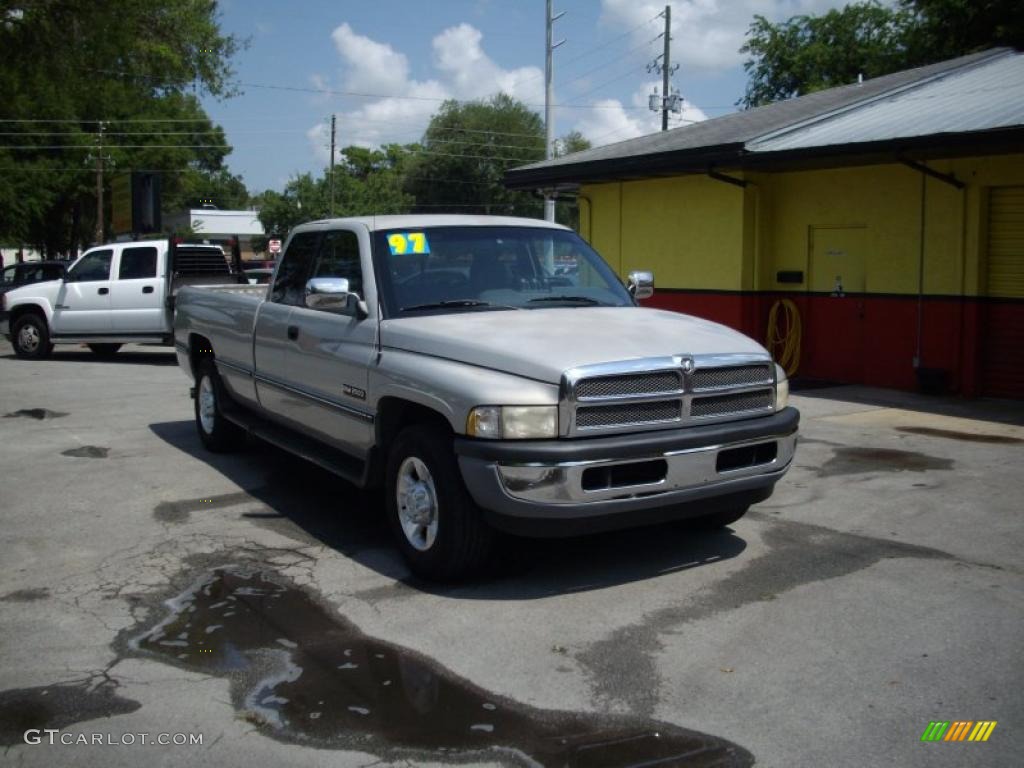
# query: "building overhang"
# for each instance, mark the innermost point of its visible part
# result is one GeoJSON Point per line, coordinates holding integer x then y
{"type": "Point", "coordinates": [734, 157]}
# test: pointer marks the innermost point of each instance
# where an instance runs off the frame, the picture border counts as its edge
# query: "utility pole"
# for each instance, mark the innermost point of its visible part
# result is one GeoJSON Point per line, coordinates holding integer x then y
{"type": "Point", "coordinates": [667, 102]}
{"type": "Point", "coordinates": [99, 185]}
{"type": "Point", "coordinates": [333, 124]}
{"type": "Point", "coordinates": [665, 66]}
{"type": "Point", "coordinates": [549, 126]}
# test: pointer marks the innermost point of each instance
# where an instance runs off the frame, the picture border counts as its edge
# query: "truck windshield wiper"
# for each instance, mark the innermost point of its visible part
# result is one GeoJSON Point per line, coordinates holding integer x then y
{"type": "Point", "coordinates": [455, 303]}
{"type": "Point", "coordinates": [578, 299]}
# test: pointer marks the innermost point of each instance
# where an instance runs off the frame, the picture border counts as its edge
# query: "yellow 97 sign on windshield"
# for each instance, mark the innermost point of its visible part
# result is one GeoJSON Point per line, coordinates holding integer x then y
{"type": "Point", "coordinates": [402, 243]}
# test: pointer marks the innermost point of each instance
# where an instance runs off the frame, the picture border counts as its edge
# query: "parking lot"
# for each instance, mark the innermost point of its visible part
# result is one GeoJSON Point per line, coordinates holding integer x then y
{"type": "Point", "coordinates": [878, 590]}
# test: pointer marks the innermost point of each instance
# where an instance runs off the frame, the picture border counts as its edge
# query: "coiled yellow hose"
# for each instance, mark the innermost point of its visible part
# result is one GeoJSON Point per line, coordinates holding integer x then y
{"type": "Point", "coordinates": [785, 338]}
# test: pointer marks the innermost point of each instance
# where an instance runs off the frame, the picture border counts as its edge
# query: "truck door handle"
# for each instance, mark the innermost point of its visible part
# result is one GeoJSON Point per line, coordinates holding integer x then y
{"type": "Point", "coordinates": [147, 289]}
{"type": "Point", "coordinates": [293, 332]}
{"type": "Point", "coordinates": [103, 291]}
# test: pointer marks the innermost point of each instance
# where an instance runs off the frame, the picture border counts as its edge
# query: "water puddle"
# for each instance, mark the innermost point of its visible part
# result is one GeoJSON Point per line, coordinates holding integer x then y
{"type": "Point", "coordinates": [87, 452]}
{"type": "Point", "coordinates": [34, 413]}
{"type": "Point", "coordinates": [302, 674]}
{"type": "Point", "coordinates": [851, 460]}
{"type": "Point", "coordinates": [26, 595]}
{"type": "Point", "coordinates": [969, 437]}
{"type": "Point", "coordinates": [58, 706]}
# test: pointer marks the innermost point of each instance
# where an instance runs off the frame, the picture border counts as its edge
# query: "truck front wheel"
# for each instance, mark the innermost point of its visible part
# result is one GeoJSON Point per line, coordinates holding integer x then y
{"type": "Point", "coordinates": [31, 337]}
{"type": "Point", "coordinates": [217, 433]}
{"type": "Point", "coordinates": [439, 530]}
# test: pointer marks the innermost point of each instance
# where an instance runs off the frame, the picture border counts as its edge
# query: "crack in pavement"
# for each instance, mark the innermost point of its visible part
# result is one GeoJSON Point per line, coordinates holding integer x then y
{"type": "Point", "coordinates": [622, 667]}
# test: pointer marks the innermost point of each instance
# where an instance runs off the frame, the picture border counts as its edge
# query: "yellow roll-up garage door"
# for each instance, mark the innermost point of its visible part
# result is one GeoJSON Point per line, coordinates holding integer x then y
{"type": "Point", "coordinates": [1002, 344]}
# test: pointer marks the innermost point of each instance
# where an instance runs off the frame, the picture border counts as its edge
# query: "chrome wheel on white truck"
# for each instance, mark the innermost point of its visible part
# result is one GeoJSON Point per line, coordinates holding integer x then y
{"type": "Point", "coordinates": [31, 337]}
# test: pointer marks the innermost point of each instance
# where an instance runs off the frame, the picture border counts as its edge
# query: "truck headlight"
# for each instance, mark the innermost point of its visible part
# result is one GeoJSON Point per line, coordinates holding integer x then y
{"type": "Point", "coordinates": [513, 422]}
{"type": "Point", "coordinates": [781, 388]}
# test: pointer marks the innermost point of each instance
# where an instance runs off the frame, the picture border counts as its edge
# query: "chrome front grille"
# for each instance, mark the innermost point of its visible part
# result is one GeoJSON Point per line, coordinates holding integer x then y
{"type": "Point", "coordinates": [589, 417]}
{"type": "Point", "coordinates": [660, 383]}
{"type": "Point", "coordinates": [659, 393]}
{"type": "Point", "coordinates": [738, 376]}
{"type": "Point", "coordinates": [720, 405]}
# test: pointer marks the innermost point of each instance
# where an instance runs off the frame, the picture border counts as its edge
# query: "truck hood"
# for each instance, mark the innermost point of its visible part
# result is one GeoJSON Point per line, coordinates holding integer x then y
{"type": "Point", "coordinates": [542, 343]}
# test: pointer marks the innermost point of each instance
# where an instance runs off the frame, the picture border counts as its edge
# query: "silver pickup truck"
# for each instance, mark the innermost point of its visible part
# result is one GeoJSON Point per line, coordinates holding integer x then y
{"type": "Point", "coordinates": [492, 375]}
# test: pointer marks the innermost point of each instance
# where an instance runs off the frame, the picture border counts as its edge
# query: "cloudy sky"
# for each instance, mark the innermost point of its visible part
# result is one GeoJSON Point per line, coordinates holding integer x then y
{"type": "Point", "coordinates": [384, 66]}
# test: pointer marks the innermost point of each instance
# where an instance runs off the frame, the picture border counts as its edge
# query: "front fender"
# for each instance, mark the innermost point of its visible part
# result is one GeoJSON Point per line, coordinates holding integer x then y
{"type": "Point", "coordinates": [452, 388]}
{"type": "Point", "coordinates": [19, 305]}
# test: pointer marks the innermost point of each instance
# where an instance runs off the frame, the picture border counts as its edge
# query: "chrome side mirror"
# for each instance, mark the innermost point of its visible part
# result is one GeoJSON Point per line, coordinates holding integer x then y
{"type": "Point", "coordinates": [331, 294]}
{"type": "Point", "coordinates": [640, 284]}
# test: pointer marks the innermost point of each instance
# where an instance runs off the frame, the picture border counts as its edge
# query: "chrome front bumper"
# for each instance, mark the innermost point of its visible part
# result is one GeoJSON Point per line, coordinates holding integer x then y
{"type": "Point", "coordinates": [564, 483]}
{"type": "Point", "coordinates": [576, 480]}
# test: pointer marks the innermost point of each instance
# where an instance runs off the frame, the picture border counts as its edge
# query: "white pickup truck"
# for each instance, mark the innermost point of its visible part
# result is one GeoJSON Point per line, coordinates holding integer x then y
{"type": "Point", "coordinates": [490, 374]}
{"type": "Point", "coordinates": [114, 294]}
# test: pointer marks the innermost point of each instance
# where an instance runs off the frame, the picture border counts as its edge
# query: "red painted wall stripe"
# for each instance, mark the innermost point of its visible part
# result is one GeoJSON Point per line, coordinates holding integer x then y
{"type": "Point", "coordinates": [871, 339]}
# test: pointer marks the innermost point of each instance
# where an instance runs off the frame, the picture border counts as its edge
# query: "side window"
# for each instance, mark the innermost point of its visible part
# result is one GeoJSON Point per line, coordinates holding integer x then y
{"type": "Point", "coordinates": [92, 266]}
{"type": "Point", "coordinates": [33, 274]}
{"type": "Point", "coordinates": [137, 263]}
{"type": "Point", "coordinates": [290, 284]}
{"type": "Point", "coordinates": [9, 274]}
{"type": "Point", "coordinates": [339, 257]}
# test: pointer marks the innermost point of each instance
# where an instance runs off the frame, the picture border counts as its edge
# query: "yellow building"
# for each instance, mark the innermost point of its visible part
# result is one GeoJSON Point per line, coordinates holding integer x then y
{"type": "Point", "coordinates": [889, 213]}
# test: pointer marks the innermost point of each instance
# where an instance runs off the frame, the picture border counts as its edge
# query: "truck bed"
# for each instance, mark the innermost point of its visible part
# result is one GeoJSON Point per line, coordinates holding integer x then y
{"type": "Point", "coordinates": [226, 313]}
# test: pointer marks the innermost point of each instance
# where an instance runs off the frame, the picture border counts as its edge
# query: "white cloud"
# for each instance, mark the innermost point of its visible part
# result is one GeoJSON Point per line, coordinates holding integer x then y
{"type": "Point", "coordinates": [610, 121]}
{"type": "Point", "coordinates": [372, 67]}
{"type": "Point", "coordinates": [472, 74]}
{"type": "Point", "coordinates": [405, 105]}
{"type": "Point", "coordinates": [706, 34]}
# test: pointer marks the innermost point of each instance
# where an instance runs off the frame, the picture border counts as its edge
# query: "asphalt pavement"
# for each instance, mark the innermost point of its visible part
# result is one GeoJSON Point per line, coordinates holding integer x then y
{"type": "Point", "coordinates": [153, 591]}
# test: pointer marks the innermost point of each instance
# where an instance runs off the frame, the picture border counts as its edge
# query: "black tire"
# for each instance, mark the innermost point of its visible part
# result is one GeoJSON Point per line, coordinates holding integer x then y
{"type": "Point", "coordinates": [717, 520]}
{"type": "Point", "coordinates": [463, 541]}
{"type": "Point", "coordinates": [30, 337]}
{"type": "Point", "coordinates": [104, 350]}
{"type": "Point", "coordinates": [217, 434]}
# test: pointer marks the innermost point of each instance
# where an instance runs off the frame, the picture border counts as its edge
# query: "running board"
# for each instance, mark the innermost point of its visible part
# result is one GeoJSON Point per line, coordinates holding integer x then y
{"type": "Point", "coordinates": [333, 460]}
{"type": "Point", "coordinates": [112, 339]}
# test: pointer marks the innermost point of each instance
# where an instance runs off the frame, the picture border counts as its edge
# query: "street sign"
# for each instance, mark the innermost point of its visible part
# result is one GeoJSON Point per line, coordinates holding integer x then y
{"type": "Point", "coordinates": [274, 246]}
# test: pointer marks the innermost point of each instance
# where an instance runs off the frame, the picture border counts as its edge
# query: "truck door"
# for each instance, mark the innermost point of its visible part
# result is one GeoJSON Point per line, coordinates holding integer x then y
{"type": "Point", "coordinates": [83, 302]}
{"type": "Point", "coordinates": [331, 353]}
{"type": "Point", "coordinates": [137, 295]}
{"type": "Point", "coordinates": [276, 384]}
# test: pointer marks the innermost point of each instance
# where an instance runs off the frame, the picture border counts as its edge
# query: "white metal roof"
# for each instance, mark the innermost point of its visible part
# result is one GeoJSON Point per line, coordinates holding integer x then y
{"type": "Point", "coordinates": [987, 96]}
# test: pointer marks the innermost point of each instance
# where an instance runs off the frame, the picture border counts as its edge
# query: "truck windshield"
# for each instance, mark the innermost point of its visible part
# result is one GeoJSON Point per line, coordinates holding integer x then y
{"type": "Point", "coordinates": [460, 269]}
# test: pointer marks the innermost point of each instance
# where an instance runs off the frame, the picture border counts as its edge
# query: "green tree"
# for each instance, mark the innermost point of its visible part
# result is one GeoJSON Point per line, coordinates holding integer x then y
{"type": "Point", "coordinates": [366, 182]}
{"type": "Point", "coordinates": [573, 141]}
{"type": "Point", "coordinates": [120, 80]}
{"type": "Point", "coordinates": [460, 164]}
{"type": "Point", "coordinates": [944, 29]}
{"type": "Point", "coordinates": [807, 53]}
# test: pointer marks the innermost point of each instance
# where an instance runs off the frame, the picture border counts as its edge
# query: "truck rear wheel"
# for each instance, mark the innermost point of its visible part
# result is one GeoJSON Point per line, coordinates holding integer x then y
{"type": "Point", "coordinates": [31, 337]}
{"type": "Point", "coordinates": [104, 350]}
{"type": "Point", "coordinates": [439, 530]}
{"type": "Point", "coordinates": [217, 433]}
